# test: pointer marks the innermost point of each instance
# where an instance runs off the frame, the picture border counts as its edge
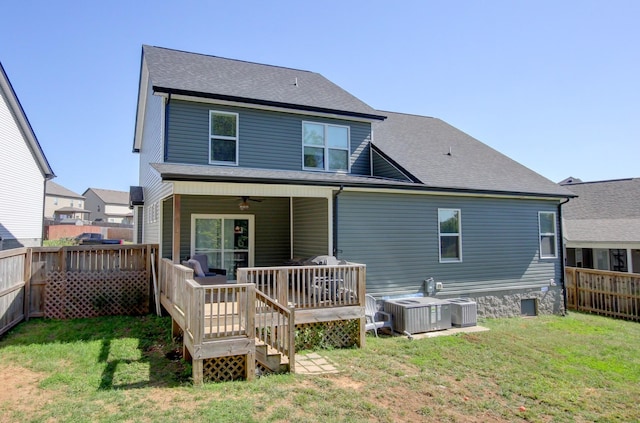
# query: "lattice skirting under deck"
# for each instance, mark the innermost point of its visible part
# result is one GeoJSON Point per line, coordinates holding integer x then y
{"type": "Point", "coordinates": [334, 334]}
{"type": "Point", "coordinates": [224, 369]}
{"type": "Point", "coordinates": [71, 295]}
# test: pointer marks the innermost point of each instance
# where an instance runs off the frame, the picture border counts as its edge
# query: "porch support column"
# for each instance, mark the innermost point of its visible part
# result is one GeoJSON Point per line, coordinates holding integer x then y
{"type": "Point", "coordinates": [175, 250]}
{"type": "Point", "coordinates": [629, 260]}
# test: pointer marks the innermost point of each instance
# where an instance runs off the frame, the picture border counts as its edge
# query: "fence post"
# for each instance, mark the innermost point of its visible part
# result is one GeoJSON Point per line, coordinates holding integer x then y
{"type": "Point", "coordinates": [28, 259]}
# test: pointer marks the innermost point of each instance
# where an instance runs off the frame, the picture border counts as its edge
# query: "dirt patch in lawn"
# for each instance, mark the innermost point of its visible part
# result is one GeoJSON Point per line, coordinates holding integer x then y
{"type": "Point", "coordinates": [20, 391]}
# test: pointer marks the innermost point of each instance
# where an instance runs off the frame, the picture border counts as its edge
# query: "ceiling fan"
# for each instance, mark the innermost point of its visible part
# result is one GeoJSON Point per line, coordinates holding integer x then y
{"type": "Point", "coordinates": [244, 204]}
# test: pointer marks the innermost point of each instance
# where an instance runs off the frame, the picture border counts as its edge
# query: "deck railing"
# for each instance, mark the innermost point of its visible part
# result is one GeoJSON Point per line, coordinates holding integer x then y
{"type": "Point", "coordinates": [309, 287]}
{"type": "Point", "coordinates": [275, 327]}
{"type": "Point", "coordinates": [614, 294]}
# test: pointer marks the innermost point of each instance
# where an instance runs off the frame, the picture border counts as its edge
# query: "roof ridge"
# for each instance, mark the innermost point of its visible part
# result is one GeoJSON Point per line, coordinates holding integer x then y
{"type": "Point", "coordinates": [601, 182]}
{"type": "Point", "coordinates": [231, 59]}
{"type": "Point", "coordinates": [407, 114]}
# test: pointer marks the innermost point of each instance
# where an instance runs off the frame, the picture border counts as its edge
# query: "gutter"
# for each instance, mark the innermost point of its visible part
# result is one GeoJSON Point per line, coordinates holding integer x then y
{"type": "Point", "coordinates": [269, 103]}
{"type": "Point", "coordinates": [562, 259]}
{"type": "Point", "coordinates": [335, 222]}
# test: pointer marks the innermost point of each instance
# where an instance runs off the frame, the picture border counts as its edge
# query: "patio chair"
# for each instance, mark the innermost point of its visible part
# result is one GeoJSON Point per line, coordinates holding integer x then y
{"type": "Point", "coordinates": [376, 319]}
{"type": "Point", "coordinates": [203, 259]}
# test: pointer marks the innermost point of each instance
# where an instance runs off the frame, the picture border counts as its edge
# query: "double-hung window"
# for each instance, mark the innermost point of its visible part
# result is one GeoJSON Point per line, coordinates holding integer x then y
{"type": "Point", "coordinates": [450, 235]}
{"type": "Point", "coordinates": [325, 147]}
{"type": "Point", "coordinates": [547, 231]}
{"type": "Point", "coordinates": [223, 137]}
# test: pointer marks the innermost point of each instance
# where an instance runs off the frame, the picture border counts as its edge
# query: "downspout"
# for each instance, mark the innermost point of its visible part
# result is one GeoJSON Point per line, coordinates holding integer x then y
{"type": "Point", "coordinates": [562, 263]}
{"type": "Point", "coordinates": [166, 127]}
{"type": "Point", "coordinates": [335, 221]}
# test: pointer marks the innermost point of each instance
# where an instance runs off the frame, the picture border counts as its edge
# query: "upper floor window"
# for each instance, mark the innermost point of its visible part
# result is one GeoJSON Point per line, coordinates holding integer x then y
{"type": "Point", "coordinates": [326, 147]}
{"type": "Point", "coordinates": [71, 203]}
{"type": "Point", "coordinates": [223, 137]}
{"type": "Point", "coordinates": [547, 230]}
{"type": "Point", "coordinates": [450, 235]}
{"type": "Point", "coordinates": [55, 201]}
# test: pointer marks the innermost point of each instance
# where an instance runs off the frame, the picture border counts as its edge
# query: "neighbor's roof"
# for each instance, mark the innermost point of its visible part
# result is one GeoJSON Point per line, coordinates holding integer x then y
{"type": "Point", "coordinates": [605, 211]}
{"type": "Point", "coordinates": [109, 196]}
{"type": "Point", "coordinates": [58, 190]}
{"type": "Point", "coordinates": [180, 72]}
{"type": "Point", "coordinates": [6, 91]}
{"type": "Point", "coordinates": [439, 155]}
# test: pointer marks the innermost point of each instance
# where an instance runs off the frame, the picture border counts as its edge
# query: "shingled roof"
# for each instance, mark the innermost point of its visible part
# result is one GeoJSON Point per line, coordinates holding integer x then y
{"type": "Point", "coordinates": [605, 211]}
{"type": "Point", "coordinates": [109, 196]}
{"type": "Point", "coordinates": [439, 155]}
{"type": "Point", "coordinates": [57, 190]}
{"type": "Point", "coordinates": [180, 72]}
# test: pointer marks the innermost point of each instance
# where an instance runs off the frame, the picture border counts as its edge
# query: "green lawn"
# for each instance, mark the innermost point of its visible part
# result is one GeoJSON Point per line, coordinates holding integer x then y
{"type": "Point", "coordinates": [578, 368]}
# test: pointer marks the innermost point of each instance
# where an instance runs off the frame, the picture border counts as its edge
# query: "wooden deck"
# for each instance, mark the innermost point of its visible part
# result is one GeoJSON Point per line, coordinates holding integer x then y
{"type": "Point", "coordinates": [257, 317]}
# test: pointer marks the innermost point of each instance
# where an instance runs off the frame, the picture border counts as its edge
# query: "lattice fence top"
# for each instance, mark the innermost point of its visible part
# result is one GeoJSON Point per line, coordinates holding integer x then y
{"type": "Point", "coordinates": [71, 295]}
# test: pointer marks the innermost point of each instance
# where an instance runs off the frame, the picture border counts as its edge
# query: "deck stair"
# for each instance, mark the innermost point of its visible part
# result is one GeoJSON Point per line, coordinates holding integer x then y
{"type": "Point", "coordinates": [269, 359]}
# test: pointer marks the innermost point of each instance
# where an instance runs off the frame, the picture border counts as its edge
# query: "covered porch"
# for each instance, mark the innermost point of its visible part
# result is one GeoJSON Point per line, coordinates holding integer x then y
{"type": "Point", "coordinates": [238, 225]}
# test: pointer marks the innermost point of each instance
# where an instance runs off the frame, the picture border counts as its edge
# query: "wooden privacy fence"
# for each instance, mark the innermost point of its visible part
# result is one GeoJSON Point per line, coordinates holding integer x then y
{"type": "Point", "coordinates": [614, 294]}
{"type": "Point", "coordinates": [12, 287]}
{"type": "Point", "coordinates": [72, 282]}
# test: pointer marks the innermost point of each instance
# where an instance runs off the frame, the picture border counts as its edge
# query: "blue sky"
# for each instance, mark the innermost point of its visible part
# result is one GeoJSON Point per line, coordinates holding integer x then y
{"type": "Point", "coordinates": [555, 85]}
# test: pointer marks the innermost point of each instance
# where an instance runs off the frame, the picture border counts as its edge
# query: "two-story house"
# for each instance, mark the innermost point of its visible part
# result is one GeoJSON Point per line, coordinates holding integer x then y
{"type": "Point", "coordinates": [108, 205]}
{"type": "Point", "coordinates": [259, 165]}
{"type": "Point", "coordinates": [602, 225]}
{"type": "Point", "coordinates": [62, 204]}
{"type": "Point", "coordinates": [23, 172]}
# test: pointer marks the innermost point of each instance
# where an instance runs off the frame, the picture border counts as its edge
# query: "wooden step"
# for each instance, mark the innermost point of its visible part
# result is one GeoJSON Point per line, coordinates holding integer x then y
{"type": "Point", "coordinates": [269, 358]}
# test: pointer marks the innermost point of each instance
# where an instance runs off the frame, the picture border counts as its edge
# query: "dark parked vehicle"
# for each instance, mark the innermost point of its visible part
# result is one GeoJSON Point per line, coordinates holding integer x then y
{"type": "Point", "coordinates": [90, 238]}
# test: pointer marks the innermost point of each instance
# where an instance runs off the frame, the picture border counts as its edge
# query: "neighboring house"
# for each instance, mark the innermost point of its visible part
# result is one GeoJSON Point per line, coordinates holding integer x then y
{"type": "Point", "coordinates": [62, 204]}
{"type": "Point", "coordinates": [108, 205]}
{"type": "Point", "coordinates": [602, 225]}
{"type": "Point", "coordinates": [23, 172]}
{"type": "Point", "coordinates": [259, 165]}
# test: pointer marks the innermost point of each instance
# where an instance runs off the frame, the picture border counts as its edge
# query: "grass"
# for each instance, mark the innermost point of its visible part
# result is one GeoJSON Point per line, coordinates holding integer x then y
{"type": "Point", "coordinates": [578, 368]}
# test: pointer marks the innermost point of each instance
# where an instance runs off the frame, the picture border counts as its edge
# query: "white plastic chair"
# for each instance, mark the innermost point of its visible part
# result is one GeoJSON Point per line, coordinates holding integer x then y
{"type": "Point", "coordinates": [376, 319]}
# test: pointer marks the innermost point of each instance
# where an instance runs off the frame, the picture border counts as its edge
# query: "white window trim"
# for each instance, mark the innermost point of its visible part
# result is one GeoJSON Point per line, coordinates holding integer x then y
{"type": "Point", "coordinates": [459, 235]}
{"type": "Point", "coordinates": [220, 137]}
{"type": "Point", "coordinates": [249, 217]}
{"type": "Point", "coordinates": [554, 234]}
{"type": "Point", "coordinates": [326, 148]}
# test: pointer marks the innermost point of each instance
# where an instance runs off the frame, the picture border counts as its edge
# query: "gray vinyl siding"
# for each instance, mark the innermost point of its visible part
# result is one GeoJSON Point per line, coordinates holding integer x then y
{"type": "Point", "coordinates": [310, 227]}
{"type": "Point", "coordinates": [167, 229]}
{"type": "Point", "coordinates": [272, 227]}
{"type": "Point", "coordinates": [396, 236]}
{"type": "Point", "coordinates": [384, 169]}
{"type": "Point", "coordinates": [267, 139]}
{"type": "Point", "coordinates": [151, 151]}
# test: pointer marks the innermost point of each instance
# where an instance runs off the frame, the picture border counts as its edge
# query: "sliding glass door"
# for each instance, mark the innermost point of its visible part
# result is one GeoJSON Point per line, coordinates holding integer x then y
{"type": "Point", "coordinates": [227, 240]}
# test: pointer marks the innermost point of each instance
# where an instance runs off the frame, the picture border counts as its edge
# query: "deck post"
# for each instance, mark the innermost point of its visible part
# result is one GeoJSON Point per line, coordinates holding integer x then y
{"type": "Point", "coordinates": [292, 340]}
{"type": "Point", "coordinates": [282, 286]}
{"type": "Point", "coordinates": [197, 365]}
{"type": "Point", "coordinates": [251, 331]}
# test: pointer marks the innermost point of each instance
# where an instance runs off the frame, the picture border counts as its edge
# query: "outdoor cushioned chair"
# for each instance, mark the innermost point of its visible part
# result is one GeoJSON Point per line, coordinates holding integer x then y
{"type": "Point", "coordinates": [199, 263]}
{"type": "Point", "coordinates": [376, 319]}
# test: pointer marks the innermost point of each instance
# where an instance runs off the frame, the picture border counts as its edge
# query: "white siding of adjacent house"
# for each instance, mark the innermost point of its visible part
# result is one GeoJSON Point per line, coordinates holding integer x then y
{"type": "Point", "coordinates": [21, 184]}
{"type": "Point", "coordinates": [152, 151]}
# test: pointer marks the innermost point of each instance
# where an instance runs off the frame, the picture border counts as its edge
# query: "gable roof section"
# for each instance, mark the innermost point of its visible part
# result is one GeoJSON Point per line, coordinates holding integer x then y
{"type": "Point", "coordinates": [24, 125]}
{"type": "Point", "coordinates": [57, 190]}
{"type": "Point", "coordinates": [605, 211]}
{"type": "Point", "coordinates": [439, 155]}
{"type": "Point", "coordinates": [180, 72]}
{"type": "Point", "coordinates": [109, 196]}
